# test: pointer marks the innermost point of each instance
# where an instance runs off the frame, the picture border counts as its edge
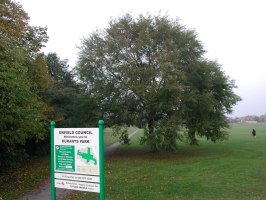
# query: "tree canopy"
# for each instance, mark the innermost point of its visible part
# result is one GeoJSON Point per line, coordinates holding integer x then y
{"type": "Point", "coordinates": [72, 107]}
{"type": "Point", "coordinates": [35, 89]}
{"type": "Point", "coordinates": [23, 113]}
{"type": "Point", "coordinates": [150, 71]}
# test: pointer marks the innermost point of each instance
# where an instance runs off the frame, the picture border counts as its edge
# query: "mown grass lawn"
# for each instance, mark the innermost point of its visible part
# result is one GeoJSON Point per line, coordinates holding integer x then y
{"type": "Point", "coordinates": [229, 170]}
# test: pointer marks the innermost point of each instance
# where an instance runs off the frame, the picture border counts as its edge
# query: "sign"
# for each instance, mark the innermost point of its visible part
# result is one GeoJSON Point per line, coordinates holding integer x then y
{"type": "Point", "coordinates": [77, 161]}
{"type": "Point", "coordinates": [65, 158]}
{"type": "Point", "coordinates": [77, 177]}
{"type": "Point", "coordinates": [74, 185]}
{"type": "Point", "coordinates": [77, 152]}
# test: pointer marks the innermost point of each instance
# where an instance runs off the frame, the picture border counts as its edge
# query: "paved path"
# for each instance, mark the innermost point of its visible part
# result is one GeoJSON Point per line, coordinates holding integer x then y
{"type": "Point", "coordinates": [110, 149]}
{"type": "Point", "coordinates": [44, 192]}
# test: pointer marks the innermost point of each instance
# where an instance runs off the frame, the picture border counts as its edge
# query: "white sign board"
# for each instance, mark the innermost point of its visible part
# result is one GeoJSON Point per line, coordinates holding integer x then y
{"type": "Point", "coordinates": [76, 154]}
{"type": "Point", "coordinates": [74, 185]}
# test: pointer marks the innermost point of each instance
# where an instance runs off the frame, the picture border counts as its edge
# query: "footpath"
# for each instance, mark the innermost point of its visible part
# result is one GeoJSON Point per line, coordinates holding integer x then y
{"type": "Point", "coordinates": [44, 191]}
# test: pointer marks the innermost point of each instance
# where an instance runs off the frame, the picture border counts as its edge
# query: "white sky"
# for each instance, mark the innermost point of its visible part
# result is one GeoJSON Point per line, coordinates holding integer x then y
{"type": "Point", "coordinates": [232, 31]}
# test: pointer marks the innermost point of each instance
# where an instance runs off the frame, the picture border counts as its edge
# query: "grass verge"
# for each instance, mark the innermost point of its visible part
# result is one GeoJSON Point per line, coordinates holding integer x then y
{"type": "Point", "coordinates": [31, 174]}
{"type": "Point", "coordinates": [229, 170]}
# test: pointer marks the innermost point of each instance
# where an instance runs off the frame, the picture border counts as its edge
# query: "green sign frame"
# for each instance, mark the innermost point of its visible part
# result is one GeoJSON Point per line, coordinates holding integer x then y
{"type": "Point", "coordinates": [63, 159]}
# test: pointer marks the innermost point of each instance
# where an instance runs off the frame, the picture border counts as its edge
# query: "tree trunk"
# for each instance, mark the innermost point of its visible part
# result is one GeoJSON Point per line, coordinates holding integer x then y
{"type": "Point", "coordinates": [152, 136]}
{"type": "Point", "coordinates": [192, 137]}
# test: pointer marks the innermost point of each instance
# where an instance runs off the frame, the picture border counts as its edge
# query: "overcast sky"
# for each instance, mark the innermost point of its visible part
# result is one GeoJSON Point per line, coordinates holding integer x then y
{"type": "Point", "coordinates": [232, 31]}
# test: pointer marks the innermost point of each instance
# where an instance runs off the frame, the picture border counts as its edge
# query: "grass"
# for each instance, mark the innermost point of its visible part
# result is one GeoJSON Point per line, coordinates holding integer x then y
{"type": "Point", "coordinates": [16, 182]}
{"type": "Point", "coordinates": [110, 139]}
{"type": "Point", "coordinates": [229, 170]}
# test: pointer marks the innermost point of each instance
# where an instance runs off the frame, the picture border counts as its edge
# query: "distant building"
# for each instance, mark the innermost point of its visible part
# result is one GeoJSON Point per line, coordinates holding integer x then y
{"type": "Point", "coordinates": [251, 122]}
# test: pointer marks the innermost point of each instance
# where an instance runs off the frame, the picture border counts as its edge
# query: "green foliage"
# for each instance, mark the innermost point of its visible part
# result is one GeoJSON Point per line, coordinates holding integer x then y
{"type": "Point", "coordinates": [23, 113]}
{"type": "Point", "coordinates": [165, 136]}
{"type": "Point", "coordinates": [122, 133]}
{"type": "Point", "coordinates": [72, 105]}
{"type": "Point", "coordinates": [209, 97]}
{"type": "Point", "coordinates": [38, 73]}
{"type": "Point", "coordinates": [58, 70]}
{"type": "Point", "coordinates": [143, 70]}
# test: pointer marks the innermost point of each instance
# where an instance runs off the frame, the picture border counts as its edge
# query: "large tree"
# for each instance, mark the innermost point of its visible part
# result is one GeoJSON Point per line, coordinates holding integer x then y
{"type": "Point", "coordinates": [141, 70]}
{"type": "Point", "coordinates": [23, 114]}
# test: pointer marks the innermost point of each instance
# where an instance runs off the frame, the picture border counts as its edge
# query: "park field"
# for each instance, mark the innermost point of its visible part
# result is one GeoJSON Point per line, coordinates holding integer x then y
{"type": "Point", "coordinates": [229, 170]}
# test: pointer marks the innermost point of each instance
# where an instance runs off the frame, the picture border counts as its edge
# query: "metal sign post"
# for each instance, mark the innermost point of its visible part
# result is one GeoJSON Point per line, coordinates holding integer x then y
{"type": "Point", "coordinates": [101, 139]}
{"type": "Point", "coordinates": [53, 190]}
